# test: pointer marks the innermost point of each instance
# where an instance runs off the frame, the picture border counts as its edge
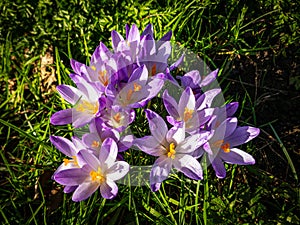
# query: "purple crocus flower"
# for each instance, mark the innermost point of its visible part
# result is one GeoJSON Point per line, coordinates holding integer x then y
{"type": "Point", "coordinates": [186, 111]}
{"type": "Point", "coordinates": [221, 146]}
{"type": "Point", "coordinates": [193, 80]}
{"type": "Point", "coordinates": [97, 172]}
{"type": "Point", "coordinates": [138, 91]}
{"type": "Point", "coordinates": [173, 149]}
{"type": "Point", "coordinates": [85, 99]}
{"type": "Point", "coordinates": [98, 133]}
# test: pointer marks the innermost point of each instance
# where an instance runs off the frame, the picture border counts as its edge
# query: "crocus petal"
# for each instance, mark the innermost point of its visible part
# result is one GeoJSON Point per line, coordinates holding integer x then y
{"type": "Point", "coordinates": [187, 100]}
{"type": "Point", "coordinates": [117, 171]}
{"type": "Point", "coordinates": [218, 166]}
{"type": "Point", "coordinates": [170, 104]}
{"type": "Point", "coordinates": [207, 98]}
{"type": "Point", "coordinates": [191, 143]}
{"type": "Point", "coordinates": [157, 125]}
{"type": "Point", "coordinates": [69, 93]}
{"type": "Point", "coordinates": [108, 152]}
{"type": "Point", "coordinates": [64, 145]}
{"type": "Point", "coordinates": [71, 177]}
{"type": "Point", "coordinates": [84, 190]}
{"type": "Point", "coordinates": [148, 30]}
{"type": "Point", "coordinates": [242, 135]}
{"type": "Point", "coordinates": [89, 158]}
{"type": "Point", "coordinates": [69, 189]}
{"type": "Point", "coordinates": [155, 187]}
{"type": "Point", "coordinates": [231, 108]}
{"type": "Point", "coordinates": [109, 189]}
{"type": "Point", "coordinates": [189, 166]}
{"type": "Point", "coordinates": [209, 78]}
{"type": "Point", "coordinates": [150, 145]}
{"type": "Point", "coordinates": [125, 143]}
{"type": "Point", "coordinates": [177, 63]}
{"type": "Point", "coordinates": [237, 156]}
{"type": "Point", "coordinates": [176, 134]}
{"type": "Point", "coordinates": [133, 34]}
{"type": "Point", "coordinates": [62, 117]}
{"type": "Point", "coordinates": [160, 170]}
{"type": "Point", "coordinates": [116, 39]}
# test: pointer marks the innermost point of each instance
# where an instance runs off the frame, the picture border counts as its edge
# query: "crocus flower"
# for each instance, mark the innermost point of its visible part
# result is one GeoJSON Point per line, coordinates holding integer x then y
{"type": "Point", "coordinates": [69, 149]}
{"type": "Point", "coordinates": [185, 111]}
{"type": "Point", "coordinates": [99, 132]}
{"type": "Point", "coordinates": [172, 148]}
{"type": "Point", "coordinates": [138, 90]}
{"type": "Point", "coordinates": [85, 99]}
{"type": "Point", "coordinates": [97, 172]}
{"type": "Point", "coordinates": [221, 146]}
{"type": "Point", "coordinates": [193, 80]}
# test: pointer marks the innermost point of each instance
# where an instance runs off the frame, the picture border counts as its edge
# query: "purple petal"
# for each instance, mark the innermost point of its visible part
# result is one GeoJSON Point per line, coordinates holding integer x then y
{"type": "Point", "coordinates": [170, 104]}
{"type": "Point", "coordinates": [209, 78]}
{"type": "Point", "coordinates": [189, 166]}
{"type": "Point", "coordinates": [177, 63]}
{"type": "Point", "coordinates": [125, 143]}
{"type": "Point", "coordinates": [187, 100]}
{"type": "Point", "coordinates": [191, 143]}
{"type": "Point", "coordinates": [108, 152]}
{"type": "Point", "coordinates": [148, 30]}
{"type": "Point", "coordinates": [84, 191]}
{"type": "Point", "coordinates": [109, 189]}
{"type": "Point", "coordinates": [62, 117]}
{"type": "Point", "coordinates": [160, 170]}
{"type": "Point", "coordinates": [155, 187]}
{"type": "Point", "coordinates": [218, 166]}
{"type": "Point", "coordinates": [116, 38]}
{"type": "Point", "coordinates": [242, 135]}
{"type": "Point", "coordinates": [70, 177]}
{"type": "Point", "coordinates": [150, 145]}
{"type": "Point", "coordinates": [207, 98]}
{"type": "Point", "coordinates": [176, 134]}
{"type": "Point", "coordinates": [133, 34]}
{"type": "Point", "coordinates": [237, 156]}
{"type": "Point", "coordinates": [231, 108]}
{"type": "Point", "coordinates": [90, 159]}
{"type": "Point", "coordinates": [157, 125]}
{"type": "Point", "coordinates": [64, 145]}
{"type": "Point", "coordinates": [117, 171]}
{"type": "Point", "coordinates": [69, 189]}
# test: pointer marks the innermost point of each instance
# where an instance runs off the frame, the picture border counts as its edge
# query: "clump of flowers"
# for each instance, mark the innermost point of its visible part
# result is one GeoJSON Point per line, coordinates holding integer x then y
{"type": "Point", "coordinates": [107, 94]}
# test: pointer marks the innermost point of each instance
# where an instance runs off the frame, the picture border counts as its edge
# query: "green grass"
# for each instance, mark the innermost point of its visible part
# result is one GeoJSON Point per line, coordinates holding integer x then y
{"type": "Point", "coordinates": [223, 33]}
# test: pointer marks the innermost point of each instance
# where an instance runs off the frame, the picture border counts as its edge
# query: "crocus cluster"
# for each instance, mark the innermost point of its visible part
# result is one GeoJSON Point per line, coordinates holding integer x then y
{"type": "Point", "coordinates": [107, 94]}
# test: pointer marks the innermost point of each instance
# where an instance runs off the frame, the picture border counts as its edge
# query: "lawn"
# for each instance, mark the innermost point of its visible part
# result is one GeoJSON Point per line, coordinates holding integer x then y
{"type": "Point", "coordinates": [255, 46]}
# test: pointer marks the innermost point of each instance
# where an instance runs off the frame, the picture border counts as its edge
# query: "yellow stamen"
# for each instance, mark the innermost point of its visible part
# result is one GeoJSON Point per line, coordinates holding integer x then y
{"type": "Point", "coordinates": [129, 94]}
{"type": "Point", "coordinates": [188, 114]}
{"type": "Point", "coordinates": [136, 87]}
{"type": "Point", "coordinates": [103, 78]}
{"type": "Point", "coordinates": [226, 147]}
{"type": "Point", "coordinates": [117, 117]}
{"type": "Point", "coordinates": [171, 151]}
{"type": "Point", "coordinates": [153, 70]}
{"type": "Point", "coordinates": [84, 106]}
{"type": "Point", "coordinates": [95, 144]}
{"type": "Point", "coordinates": [73, 160]}
{"type": "Point", "coordinates": [97, 176]}
{"type": "Point", "coordinates": [93, 68]}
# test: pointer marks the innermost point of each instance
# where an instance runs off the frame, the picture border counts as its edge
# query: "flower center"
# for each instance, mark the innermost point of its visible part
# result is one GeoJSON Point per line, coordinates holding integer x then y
{"type": "Point", "coordinates": [95, 144]}
{"type": "Point", "coordinates": [117, 117]}
{"type": "Point", "coordinates": [188, 114]}
{"type": "Point", "coordinates": [84, 106]}
{"type": "Point", "coordinates": [171, 151]}
{"type": "Point", "coordinates": [136, 88]}
{"type": "Point", "coordinates": [153, 70]}
{"type": "Point", "coordinates": [97, 176]}
{"type": "Point", "coordinates": [73, 160]}
{"type": "Point", "coordinates": [103, 78]}
{"type": "Point", "coordinates": [217, 144]}
{"type": "Point", "coordinates": [226, 147]}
